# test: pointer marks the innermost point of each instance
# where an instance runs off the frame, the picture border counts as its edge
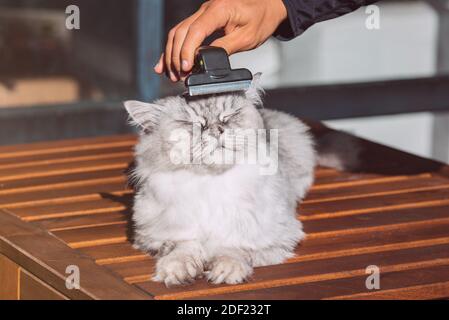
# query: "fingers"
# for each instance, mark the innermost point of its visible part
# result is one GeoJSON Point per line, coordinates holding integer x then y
{"type": "Point", "coordinates": [168, 54]}
{"type": "Point", "coordinates": [171, 58]}
{"type": "Point", "coordinates": [178, 40]}
{"type": "Point", "coordinates": [211, 20]}
{"type": "Point", "coordinates": [160, 66]}
{"type": "Point", "coordinates": [187, 36]}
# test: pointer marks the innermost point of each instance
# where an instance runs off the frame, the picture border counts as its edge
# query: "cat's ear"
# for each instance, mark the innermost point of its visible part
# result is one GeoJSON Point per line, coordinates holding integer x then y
{"type": "Point", "coordinates": [255, 91]}
{"type": "Point", "coordinates": [143, 115]}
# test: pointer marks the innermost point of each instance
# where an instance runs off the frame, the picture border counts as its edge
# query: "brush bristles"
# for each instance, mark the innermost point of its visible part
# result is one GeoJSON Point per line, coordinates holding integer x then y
{"type": "Point", "coordinates": [219, 88]}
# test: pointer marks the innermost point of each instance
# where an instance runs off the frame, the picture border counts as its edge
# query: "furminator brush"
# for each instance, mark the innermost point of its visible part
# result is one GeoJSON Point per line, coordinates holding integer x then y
{"type": "Point", "coordinates": [212, 73]}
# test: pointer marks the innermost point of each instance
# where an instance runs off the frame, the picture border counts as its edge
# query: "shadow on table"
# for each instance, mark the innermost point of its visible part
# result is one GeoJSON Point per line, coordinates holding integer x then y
{"type": "Point", "coordinates": [346, 152]}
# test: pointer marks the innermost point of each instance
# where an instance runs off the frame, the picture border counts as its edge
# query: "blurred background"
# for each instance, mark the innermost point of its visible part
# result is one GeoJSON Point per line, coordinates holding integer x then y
{"type": "Point", "coordinates": [389, 84]}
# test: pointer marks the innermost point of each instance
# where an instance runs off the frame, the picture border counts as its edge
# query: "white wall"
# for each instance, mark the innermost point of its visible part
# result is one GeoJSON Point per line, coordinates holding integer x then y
{"type": "Point", "coordinates": [343, 50]}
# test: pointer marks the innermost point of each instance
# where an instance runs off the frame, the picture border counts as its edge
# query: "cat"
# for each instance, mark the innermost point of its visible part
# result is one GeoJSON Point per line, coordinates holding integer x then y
{"type": "Point", "coordinates": [218, 218]}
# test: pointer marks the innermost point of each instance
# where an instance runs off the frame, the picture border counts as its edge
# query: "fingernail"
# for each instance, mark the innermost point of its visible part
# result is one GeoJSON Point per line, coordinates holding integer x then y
{"type": "Point", "coordinates": [185, 65]}
{"type": "Point", "coordinates": [173, 77]}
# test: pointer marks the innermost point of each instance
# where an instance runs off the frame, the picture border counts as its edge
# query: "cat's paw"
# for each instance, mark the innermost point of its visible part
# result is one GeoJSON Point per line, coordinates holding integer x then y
{"type": "Point", "coordinates": [226, 269]}
{"type": "Point", "coordinates": [178, 269]}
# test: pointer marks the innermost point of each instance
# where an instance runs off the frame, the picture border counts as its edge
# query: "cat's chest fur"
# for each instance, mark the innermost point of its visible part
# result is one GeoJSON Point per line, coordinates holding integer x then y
{"type": "Point", "coordinates": [186, 188]}
{"type": "Point", "coordinates": [235, 207]}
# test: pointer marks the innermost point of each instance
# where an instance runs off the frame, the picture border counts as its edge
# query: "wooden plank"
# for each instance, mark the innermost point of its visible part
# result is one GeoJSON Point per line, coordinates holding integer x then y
{"type": "Point", "coordinates": [94, 236]}
{"type": "Point", "coordinates": [9, 279]}
{"type": "Point", "coordinates": [114, 253]}
{"type": "Point", "coordinates": [429, 291]}
{"type": "Point", "coordinates": [372, 204]}
{"type": "Point", "coordinates": [64, 146]}
{"type": "Point", "coordinates": [134, 271]}
{"type": "Point", "coordinates": [398, 282]}
{"type": "Point", "coordinates": [24, 243]}
{"type": "Point", "coordinates": [35, 198]}
{"type": "Point", "coordinates": [346, 178]}
{"type": "Point", "coordinates": [66, 157]}
{"type": "Point", "coordinates": [378, 219]}
{"type": "Point", "coordinates": [31, 288]}
{"type": "Point", "coordinates": [348, 181]}
{"type": "Point", "coordinates": [59, 181]}
{"type": "Point", "coordinates": [84, 221]}
{"type": "Point", "coordinates": [313, 271]}
{"type": "Point", "coordinates": [354, 191]}
{"type": "Point", "coordinates": [120, 162]}
{"type": "Point", "coordinates": [104, 203]}
{"type": "Point", "coordinates": [66, 185]}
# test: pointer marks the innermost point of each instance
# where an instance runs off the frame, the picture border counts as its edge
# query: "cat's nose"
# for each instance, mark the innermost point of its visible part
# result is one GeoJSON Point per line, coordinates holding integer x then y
{"type": "Point", "coordinates": [216, 131]}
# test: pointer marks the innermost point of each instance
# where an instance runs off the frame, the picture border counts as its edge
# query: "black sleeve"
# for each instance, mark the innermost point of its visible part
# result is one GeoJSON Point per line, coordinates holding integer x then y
{"type": "Point", "coordinates": [304, 13]}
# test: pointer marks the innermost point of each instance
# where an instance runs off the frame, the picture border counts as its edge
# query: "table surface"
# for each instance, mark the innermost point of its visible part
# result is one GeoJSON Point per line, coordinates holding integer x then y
{"type": "Point", "coordinates": [67, 203]}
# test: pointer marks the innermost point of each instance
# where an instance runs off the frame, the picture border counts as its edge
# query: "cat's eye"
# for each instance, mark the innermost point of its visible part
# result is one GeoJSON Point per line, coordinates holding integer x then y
{"type": "Point", "coordinates": [224, 119]}
{"type": "Point", "coordinates": [183, 121]}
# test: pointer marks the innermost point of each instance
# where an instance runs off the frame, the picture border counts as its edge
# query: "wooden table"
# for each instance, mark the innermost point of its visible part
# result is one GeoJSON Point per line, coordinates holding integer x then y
{"type": "Point", "coordinates": [66, 203]}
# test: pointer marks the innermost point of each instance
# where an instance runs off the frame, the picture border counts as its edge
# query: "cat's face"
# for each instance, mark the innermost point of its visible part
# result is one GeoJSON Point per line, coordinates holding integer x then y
{"type": "Point", "coordinates": [202, 134]}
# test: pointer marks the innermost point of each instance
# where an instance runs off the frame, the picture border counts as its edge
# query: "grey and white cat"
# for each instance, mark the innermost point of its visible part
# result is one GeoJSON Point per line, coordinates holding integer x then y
{"type": "Point", "coordinates": [217, 218]}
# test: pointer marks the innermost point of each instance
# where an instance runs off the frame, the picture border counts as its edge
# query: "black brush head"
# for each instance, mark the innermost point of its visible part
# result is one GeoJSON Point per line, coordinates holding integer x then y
{"type": "Point", "coordinates": [212, 73]}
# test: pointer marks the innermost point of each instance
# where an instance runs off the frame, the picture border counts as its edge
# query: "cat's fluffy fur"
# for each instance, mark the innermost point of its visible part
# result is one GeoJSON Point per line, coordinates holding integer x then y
{"type": "Point", "coordinates": [218, 220]}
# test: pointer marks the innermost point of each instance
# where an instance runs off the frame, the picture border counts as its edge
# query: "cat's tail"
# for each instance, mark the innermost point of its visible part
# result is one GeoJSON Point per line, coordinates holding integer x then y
{"type": "Point", "coordinates": [338, 150]}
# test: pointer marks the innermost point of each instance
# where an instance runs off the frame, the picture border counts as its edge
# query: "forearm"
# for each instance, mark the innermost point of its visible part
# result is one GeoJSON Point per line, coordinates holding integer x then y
{"type": "Point", "coordinates": [304, 13]}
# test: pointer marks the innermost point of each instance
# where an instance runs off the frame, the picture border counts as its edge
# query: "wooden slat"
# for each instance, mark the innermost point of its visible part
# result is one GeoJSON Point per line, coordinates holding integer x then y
{"type": "Point", "coordinates": [51, 170]}
{"type": "Point", "coordinates": [378, 219]}
{"type": "Point", "coordinates": [84, 221]}
{"type": "Point", "coordinates": [24, 243]}
{"type": "Point", "coordinates": [326, 187]}
{"type": "Point", "coordinates": [94, 236]}
{"type": "Point", "coordinates": [134, 271]}
{"type": "Point", "coordinates": [35, 198]}
{"type": "Point", "coordinates": [9, 279]}
{"type": "Point", "coordinates": [372, 204]}
{"type": "Point", "coordinates": [114, 253]}
{"type": "Point", "coordinates": [362, 191]}
{"type": "Point", "coordinates": [314, 271]}
{"type": "Point", "coordinates": [66, 157]}
{"type": "Point", "coordinates": [438, 290]}
{"type": "Point", "coordinates": [344, 178]}
{"type": "Point", "coordinates": [398, 283]}
{"type": "Point", "coordinates": [75, 208]}
{"type": "Point", "coordinates": [31, 288]}
{"type": "Point", "coordinates": [61, 182]}
{"type": "Point", "coordinates": [64, 146]}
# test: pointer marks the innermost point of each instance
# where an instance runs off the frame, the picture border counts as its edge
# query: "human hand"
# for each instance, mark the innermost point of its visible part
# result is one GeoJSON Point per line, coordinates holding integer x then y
{"type": "Point", "coordinates": [246, 25]}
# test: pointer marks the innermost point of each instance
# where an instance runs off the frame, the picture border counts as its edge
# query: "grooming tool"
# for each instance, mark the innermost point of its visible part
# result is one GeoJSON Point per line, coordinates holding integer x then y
{"type": "Point", "coordinates": [212, 73]}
